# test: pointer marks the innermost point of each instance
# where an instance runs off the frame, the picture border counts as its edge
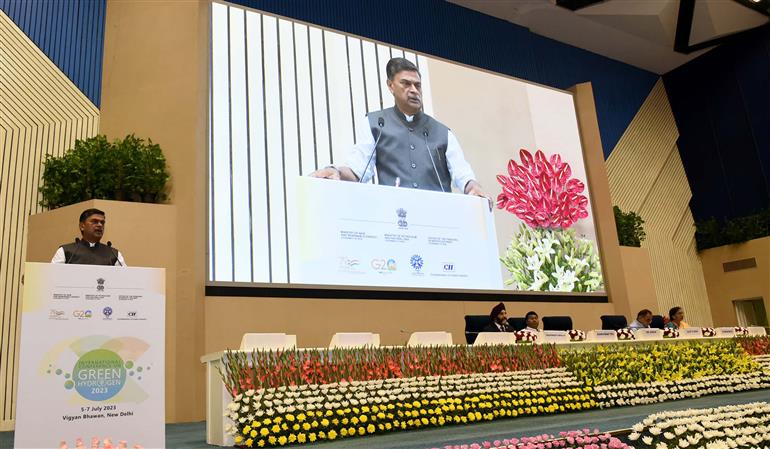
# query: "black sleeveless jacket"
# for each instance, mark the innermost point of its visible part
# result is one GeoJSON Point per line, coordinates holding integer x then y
{"type": "Point", "coordinates": [80, 252]}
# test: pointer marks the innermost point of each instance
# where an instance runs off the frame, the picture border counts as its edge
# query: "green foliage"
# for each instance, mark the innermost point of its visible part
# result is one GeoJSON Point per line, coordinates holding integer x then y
{"type": "Point", "coordinates": [711, 233]}
{"type": "Point", "coordinates": [630, 229]}
{"type": "Point", "coordinates": [552, 260]}
{"type": "Point", "coordinates": [127, 169]}
{"type": "Point", "coordinates": [657, 362]}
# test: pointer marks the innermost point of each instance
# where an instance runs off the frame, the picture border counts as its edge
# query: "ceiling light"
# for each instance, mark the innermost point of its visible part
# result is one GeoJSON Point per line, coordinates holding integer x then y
{"type": "Point", "coordinates": [756, 1]}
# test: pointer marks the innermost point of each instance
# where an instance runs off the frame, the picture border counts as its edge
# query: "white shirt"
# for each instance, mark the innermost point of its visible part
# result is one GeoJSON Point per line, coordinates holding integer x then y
{"type": "Point", "coordinates": [59, 256]}
{"type": "Point", "coordinates": [459, 169]}
{"type": "Point", "coordinates": [531, 329]}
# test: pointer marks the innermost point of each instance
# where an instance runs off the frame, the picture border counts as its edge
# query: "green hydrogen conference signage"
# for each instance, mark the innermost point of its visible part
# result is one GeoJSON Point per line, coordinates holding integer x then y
{"type": "Point", "coordinates": [92, 350]}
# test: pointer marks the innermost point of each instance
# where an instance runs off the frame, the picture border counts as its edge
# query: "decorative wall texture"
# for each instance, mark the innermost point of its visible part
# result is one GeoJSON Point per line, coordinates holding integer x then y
{"type": "Point", "coordinates": [41, 112]}
{"type": "Point", "coordinates": [70, 33]}
{"type": "Point", "coordinates": [647, 176]}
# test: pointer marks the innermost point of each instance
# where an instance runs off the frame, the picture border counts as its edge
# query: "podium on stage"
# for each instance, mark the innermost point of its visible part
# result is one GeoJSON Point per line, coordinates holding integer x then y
{"type": "Point", "coordinates": [346, 233]}
{"type": "Point", "coordinates": [92, 350]}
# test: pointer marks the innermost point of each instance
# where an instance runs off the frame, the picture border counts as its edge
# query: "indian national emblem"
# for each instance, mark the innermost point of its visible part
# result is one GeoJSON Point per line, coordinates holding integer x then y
{"type": "Point", "coordinates": [100, 284]}
{"type": "Point", "coordinates": [401, 217]}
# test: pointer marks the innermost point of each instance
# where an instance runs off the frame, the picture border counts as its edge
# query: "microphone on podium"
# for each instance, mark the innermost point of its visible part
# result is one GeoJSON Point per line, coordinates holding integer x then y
{"type": "Point", "coordinates": [380, 125]}
{"type": "Point", "coordinates": [435, 170]}
{"type": "Point", "coordinates": [115, 252]}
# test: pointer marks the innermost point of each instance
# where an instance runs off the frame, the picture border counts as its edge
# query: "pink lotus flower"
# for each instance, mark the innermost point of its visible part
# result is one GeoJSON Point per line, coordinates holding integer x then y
{"type": "Point", "coordinates": [541, 193]}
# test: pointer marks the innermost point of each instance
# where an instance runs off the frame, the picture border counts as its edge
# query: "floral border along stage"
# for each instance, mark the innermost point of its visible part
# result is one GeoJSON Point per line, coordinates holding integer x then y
{"type": "Point", "coordinates": [573, 439]}
{"type": "Point", "coordinates": [733, 426]}
{"type": "Point", "coordinates": [307, 396]}
{"type": "Point", "coordinates": [546, 254]}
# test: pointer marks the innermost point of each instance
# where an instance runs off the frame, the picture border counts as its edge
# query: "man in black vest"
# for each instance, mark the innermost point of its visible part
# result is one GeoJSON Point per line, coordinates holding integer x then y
{"type": "Point", "coordinates": [414, 149]}
{"type": "Point", "coordinates": [88, 250]}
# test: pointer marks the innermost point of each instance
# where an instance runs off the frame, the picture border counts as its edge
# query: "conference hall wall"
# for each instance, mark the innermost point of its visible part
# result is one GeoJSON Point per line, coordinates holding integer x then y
{"type": "Point", "coordinates": [49, 86]}
{"type": "Point", "coordinates": [155, 83]}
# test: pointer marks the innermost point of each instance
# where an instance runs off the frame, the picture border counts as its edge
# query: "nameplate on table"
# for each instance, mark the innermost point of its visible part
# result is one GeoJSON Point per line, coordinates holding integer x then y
{"type": "Point", "coordinates": [691, 332]}
{"type": "Point", "coordinates": [603, 335]}
{"type": "Point", "coordinates": [725, 332]}
{"type": "Point", "coordinates": [495, 338]}
{"type": "Point", "coordinates": [556, 336]}
{"type": "Point", "coordinates": [648, 334]}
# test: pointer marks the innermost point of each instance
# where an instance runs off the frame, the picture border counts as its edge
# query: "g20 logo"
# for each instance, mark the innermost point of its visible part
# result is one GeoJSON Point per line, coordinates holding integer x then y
{"type": "Point", "coordinates": [82, 314]}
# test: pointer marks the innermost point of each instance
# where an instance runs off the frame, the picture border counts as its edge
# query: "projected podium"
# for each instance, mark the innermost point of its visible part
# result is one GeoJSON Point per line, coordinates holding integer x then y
{"type": "Point", "coordinates": [91, 355]}
{"type": "Point", "coordinates": [347, 233]}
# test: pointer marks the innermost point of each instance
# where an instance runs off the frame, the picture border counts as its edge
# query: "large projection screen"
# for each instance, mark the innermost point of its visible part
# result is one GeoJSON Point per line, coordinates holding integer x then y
{"type": "Point", "coordinates": [286, 99]}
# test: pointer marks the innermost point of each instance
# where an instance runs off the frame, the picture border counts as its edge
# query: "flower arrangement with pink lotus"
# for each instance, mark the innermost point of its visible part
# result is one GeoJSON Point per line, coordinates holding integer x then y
{"type": "Point", "coordinates": [546, 253]}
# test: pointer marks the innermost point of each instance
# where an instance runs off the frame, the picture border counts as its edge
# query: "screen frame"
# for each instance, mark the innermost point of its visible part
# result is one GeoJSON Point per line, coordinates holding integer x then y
{"type": "Point", "coordinates": [334, 291]}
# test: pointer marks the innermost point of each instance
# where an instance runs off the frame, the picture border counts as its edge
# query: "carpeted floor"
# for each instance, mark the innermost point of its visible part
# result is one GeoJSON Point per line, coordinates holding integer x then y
{"type": "Point", "coordinates": [193, 435]}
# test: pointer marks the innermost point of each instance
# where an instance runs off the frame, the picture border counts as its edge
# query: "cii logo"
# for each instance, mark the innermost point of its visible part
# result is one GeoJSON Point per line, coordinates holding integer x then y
{"type": "Point", "coordinates": [449, 267]}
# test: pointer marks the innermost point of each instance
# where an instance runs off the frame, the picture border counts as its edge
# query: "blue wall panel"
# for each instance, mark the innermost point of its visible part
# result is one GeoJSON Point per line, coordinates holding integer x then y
{"type": "Point", "coordinates": [70, 33]}
{"type": "Point", "coordinates": [449, 31]}
{"type": "Point", "coordinates": [721, 103]}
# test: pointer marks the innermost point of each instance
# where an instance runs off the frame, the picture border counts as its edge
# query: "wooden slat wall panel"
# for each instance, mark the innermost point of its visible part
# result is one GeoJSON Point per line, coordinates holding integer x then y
{"type": "Point", "coordinates": [41, 112]}
{"type": "Point", "coordinates": [647, 176]}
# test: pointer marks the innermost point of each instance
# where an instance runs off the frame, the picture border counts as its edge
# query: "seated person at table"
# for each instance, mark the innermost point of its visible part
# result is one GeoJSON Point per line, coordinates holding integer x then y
{"type": "Point", "coordinates": [676, 319]}
{"type": "Point", "coordinates": [498, 318]}
{"type": "Point", "coordinates": [532, 321]}
{"type": "Point", "coordinates": [642, 321]}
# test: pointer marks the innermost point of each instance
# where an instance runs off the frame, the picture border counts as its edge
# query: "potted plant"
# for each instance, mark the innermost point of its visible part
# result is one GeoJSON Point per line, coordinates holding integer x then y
{"type": "Point", "coordinates": [126, 169]}
{"type": "Point", "coordinates": [629, 227]}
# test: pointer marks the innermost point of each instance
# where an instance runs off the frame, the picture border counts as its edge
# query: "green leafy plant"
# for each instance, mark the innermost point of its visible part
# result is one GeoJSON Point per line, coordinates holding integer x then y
{"type": "Point", "coordinates": [126, 169]}
{"type": "Point", "coordinates": [712, 232]}
{"type": "Point", "coordinates": [630, 229]}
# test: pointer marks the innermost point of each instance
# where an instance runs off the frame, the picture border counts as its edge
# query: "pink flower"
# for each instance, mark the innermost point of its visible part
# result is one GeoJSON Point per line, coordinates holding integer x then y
{"type": "Point", "coordinates": [541, 193]}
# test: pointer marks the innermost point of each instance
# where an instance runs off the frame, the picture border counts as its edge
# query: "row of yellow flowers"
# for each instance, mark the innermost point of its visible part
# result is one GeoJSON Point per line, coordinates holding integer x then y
{"type": "Point", "coordinates": [331, 424]}
{"type": "Point", "coordinates": [656, 362]}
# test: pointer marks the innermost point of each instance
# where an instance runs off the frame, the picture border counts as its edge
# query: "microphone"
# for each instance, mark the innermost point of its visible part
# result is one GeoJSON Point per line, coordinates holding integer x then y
{"type": "Point", "coordinates": [114, 252]}
{"type": "Point", "coordinates": [435, 170]}
{"type": "Point", "coordinates": [380, 125]}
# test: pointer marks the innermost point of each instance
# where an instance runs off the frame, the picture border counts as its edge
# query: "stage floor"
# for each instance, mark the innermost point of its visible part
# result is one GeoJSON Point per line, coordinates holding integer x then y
{"type": "Point", "coordinates": [193, 435]}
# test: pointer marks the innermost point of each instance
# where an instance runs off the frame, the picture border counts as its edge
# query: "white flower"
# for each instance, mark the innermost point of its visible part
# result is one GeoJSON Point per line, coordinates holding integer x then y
{"type": "Point", "coordinates": [539, 280]}
{"type": "Point", "coordinates": [534, 262]}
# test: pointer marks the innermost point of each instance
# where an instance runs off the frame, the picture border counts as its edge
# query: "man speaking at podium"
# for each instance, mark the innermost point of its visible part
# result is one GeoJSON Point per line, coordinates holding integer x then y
{"type": "Point", "coordinates": [409, 148]}
{"type": "Point", "coordinates": [88, 250]}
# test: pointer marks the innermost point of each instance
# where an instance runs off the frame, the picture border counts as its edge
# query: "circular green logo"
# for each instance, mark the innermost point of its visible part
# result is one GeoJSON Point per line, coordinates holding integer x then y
{"type": "Point", "coordinates": [99, 375]}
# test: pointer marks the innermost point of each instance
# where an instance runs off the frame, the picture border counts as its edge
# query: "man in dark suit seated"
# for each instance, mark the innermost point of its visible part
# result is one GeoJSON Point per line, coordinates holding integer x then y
{"type": "Point", "coordinates": [498, 320]}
